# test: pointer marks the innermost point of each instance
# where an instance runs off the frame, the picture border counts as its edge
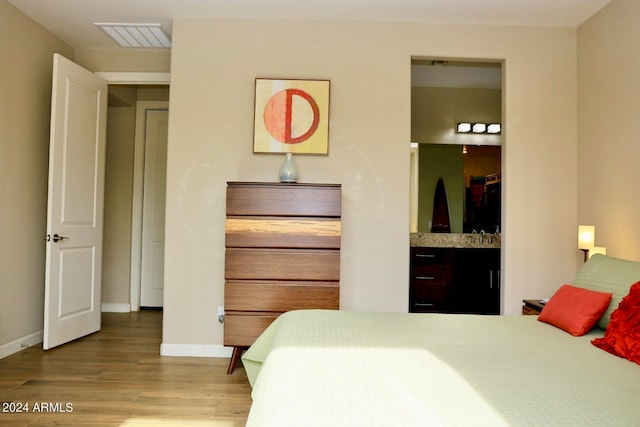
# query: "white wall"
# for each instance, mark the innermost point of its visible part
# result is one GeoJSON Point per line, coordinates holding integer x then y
{"type": "Point", "coordinates": [213, 67]}
{"type": "Point", "coordinates": [609, 143]}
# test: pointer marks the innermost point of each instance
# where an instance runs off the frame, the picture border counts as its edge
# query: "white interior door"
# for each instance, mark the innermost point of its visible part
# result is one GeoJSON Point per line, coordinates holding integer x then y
{"type": "Point", "coordinates": [75, 203]}
{"type": "Point", "coordinates": [155, 172]}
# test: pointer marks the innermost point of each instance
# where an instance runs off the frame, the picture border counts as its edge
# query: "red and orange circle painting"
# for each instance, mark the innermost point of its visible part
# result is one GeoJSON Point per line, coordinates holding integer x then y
{"type": "Point", "coordinates": [291, 116]}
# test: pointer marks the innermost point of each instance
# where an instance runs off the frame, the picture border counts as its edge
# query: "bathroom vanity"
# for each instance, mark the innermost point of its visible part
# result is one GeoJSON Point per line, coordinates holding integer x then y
{"type": "Point", "coordinates": [455, 273]}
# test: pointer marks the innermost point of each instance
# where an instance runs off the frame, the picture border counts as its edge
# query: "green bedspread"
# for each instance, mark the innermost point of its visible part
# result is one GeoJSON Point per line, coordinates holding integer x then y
{"type": "Point", "coordinates": [338, 368]}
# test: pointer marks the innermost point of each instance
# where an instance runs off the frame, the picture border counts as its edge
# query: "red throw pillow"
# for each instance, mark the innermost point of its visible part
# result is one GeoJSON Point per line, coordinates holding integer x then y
{"type": "Point", "coordinates": [622, 336]}
{"type": "Point", "coordinates": [575, 310]}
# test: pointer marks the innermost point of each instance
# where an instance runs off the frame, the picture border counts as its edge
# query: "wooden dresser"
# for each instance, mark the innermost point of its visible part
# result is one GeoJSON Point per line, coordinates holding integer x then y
{"type": "Point", "coordinates": [282, 253]}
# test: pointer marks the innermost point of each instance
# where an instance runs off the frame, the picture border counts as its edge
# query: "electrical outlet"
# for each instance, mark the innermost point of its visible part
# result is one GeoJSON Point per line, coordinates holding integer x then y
{"type": "Point", "coordinates": [221, 314]}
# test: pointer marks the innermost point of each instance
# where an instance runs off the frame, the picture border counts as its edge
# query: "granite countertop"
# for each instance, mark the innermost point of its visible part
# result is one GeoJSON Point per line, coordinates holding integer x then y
{"type": "Point", "coordinates": [455, 240]}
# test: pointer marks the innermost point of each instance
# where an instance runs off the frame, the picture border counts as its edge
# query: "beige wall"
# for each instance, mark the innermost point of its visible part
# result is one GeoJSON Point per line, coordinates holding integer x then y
{"type": "Point", "coordinates": [214, 64]}
{"type": "Point", "coordinates": [26, 52]}
{"type": "Point", "coordinates": [609, 143]}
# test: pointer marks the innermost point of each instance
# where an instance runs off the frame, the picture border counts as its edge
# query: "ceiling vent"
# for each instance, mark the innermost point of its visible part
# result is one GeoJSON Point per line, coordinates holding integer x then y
{"type": "Point", "coordinates": [136, 35]}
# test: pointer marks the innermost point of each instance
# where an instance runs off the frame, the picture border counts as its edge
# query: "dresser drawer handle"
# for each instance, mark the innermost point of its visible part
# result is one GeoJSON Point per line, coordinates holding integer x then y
{"type": "Point", "coordinates": [425, 278]}
{"type": "Point", "coordinates": [422, 304]}
{"type": "Point", "coordinates": [425, 255]}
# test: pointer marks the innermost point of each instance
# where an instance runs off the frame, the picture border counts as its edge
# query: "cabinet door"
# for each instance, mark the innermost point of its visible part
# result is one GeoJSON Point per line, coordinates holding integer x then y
{"type": "Point", "coordinates": [476, 277]}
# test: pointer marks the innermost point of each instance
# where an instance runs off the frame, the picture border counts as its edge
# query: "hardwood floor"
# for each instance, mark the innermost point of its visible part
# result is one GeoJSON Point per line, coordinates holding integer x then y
{"type": "Point", "coordinates": [116, 377]}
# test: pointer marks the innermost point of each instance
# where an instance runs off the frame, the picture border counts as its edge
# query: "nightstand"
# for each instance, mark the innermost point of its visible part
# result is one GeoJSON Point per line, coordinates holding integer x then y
{"type": "Point", "coordinates": [532, 307]}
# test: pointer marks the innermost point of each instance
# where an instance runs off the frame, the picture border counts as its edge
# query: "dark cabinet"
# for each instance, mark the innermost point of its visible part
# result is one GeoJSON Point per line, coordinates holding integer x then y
{"type": "Point", "coordinates": [476, 273]}
{"type": "Point", "coordinates": [455, 280]}
{"type": "Point", "coordinates": [431, 280]}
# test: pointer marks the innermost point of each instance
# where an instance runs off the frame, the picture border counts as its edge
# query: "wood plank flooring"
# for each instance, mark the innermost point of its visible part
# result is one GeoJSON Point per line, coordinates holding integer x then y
{"type": "Point", "coordinates": [116, 377]}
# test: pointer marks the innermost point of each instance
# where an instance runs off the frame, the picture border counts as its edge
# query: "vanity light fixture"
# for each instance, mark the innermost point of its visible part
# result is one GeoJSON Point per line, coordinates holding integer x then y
{"type": "Point", "coordinates": [463, 127]}
{"type": "Point", "coordinates": [479, 128]}
{"type": "Point", "coordinates": [494, 128]}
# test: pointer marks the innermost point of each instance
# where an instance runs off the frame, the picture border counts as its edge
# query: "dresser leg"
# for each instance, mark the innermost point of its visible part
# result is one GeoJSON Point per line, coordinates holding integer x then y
{"type": "Point", "coordinates": [235, 357]}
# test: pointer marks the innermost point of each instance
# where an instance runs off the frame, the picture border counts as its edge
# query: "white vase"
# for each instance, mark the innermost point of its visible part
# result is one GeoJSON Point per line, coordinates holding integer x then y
{"type": "Point", "coordinates": [288, 171]}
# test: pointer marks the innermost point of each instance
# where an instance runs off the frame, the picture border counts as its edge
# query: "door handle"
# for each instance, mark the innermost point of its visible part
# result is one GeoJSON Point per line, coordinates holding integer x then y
{"type": "Point", "coordinates": [56, 237]}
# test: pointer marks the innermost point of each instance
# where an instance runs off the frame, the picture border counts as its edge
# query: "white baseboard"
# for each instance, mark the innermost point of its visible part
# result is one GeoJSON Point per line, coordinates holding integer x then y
{"type": "Point", "coordinates": [20, 344]}
{"type": "Point", "coordinates": [108, 307]}
{"type": "Point", "coordinates": [195, 350]}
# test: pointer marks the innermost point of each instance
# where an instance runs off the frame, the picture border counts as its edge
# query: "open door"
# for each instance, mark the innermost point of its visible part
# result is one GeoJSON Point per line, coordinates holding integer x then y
{"type": "Point", "coordinates": [75, 203]}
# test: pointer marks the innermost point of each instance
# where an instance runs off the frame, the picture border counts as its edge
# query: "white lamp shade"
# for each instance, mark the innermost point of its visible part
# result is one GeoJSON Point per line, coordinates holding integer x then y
{"type": "Point", "coordinates": [586, 236]}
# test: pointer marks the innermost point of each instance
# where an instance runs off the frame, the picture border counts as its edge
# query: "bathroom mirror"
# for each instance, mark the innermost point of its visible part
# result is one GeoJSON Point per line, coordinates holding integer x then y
{"type": "Point", "coordinates": [472, 180]}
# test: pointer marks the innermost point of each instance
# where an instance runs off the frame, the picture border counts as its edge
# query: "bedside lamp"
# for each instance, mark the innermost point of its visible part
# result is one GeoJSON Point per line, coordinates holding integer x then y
{"type": "Point", "coordinates": [586, 241]}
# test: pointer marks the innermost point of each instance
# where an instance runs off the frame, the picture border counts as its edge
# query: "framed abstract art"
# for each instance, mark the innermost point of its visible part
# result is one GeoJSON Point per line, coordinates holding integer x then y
{"type": "Point", "coordinates": [291, 116]}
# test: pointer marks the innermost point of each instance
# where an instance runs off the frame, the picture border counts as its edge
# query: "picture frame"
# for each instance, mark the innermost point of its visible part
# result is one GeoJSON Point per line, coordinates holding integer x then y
{"type": "Point", "coordinates": [291, 116]}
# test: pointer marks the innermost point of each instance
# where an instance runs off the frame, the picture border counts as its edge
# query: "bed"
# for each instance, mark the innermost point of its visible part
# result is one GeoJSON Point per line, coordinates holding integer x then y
{"type": "Point", "coordinates": [341, 368]}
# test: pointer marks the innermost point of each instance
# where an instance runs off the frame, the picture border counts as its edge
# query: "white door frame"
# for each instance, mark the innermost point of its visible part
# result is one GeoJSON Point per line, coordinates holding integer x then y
{"type": "Point", "coordinates": [138, 167]}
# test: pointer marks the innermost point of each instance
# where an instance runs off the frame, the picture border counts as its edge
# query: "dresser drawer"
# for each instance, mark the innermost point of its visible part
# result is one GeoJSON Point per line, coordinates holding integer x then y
{"type": "Point", "coordinates": [280, 296]}
{"type": "Point", "coordinates": [426, 256]}
{"type": "Point", "coordinates": [282, 264]}
{"type": "Point", "coordinates": [431, 281]}
{"type": "Point", "coordinates": [431, 274]}
{"type": "Point", "coordinates": [283, 199]}
{"type": "Point", "coordinates": [269, 232]}
{"type": "Point", "coordinates": [242, 329]}
{"type": "Point", "coordinates": [430, 292]}
{"type": "Point", "coordinates": [427, 307]}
